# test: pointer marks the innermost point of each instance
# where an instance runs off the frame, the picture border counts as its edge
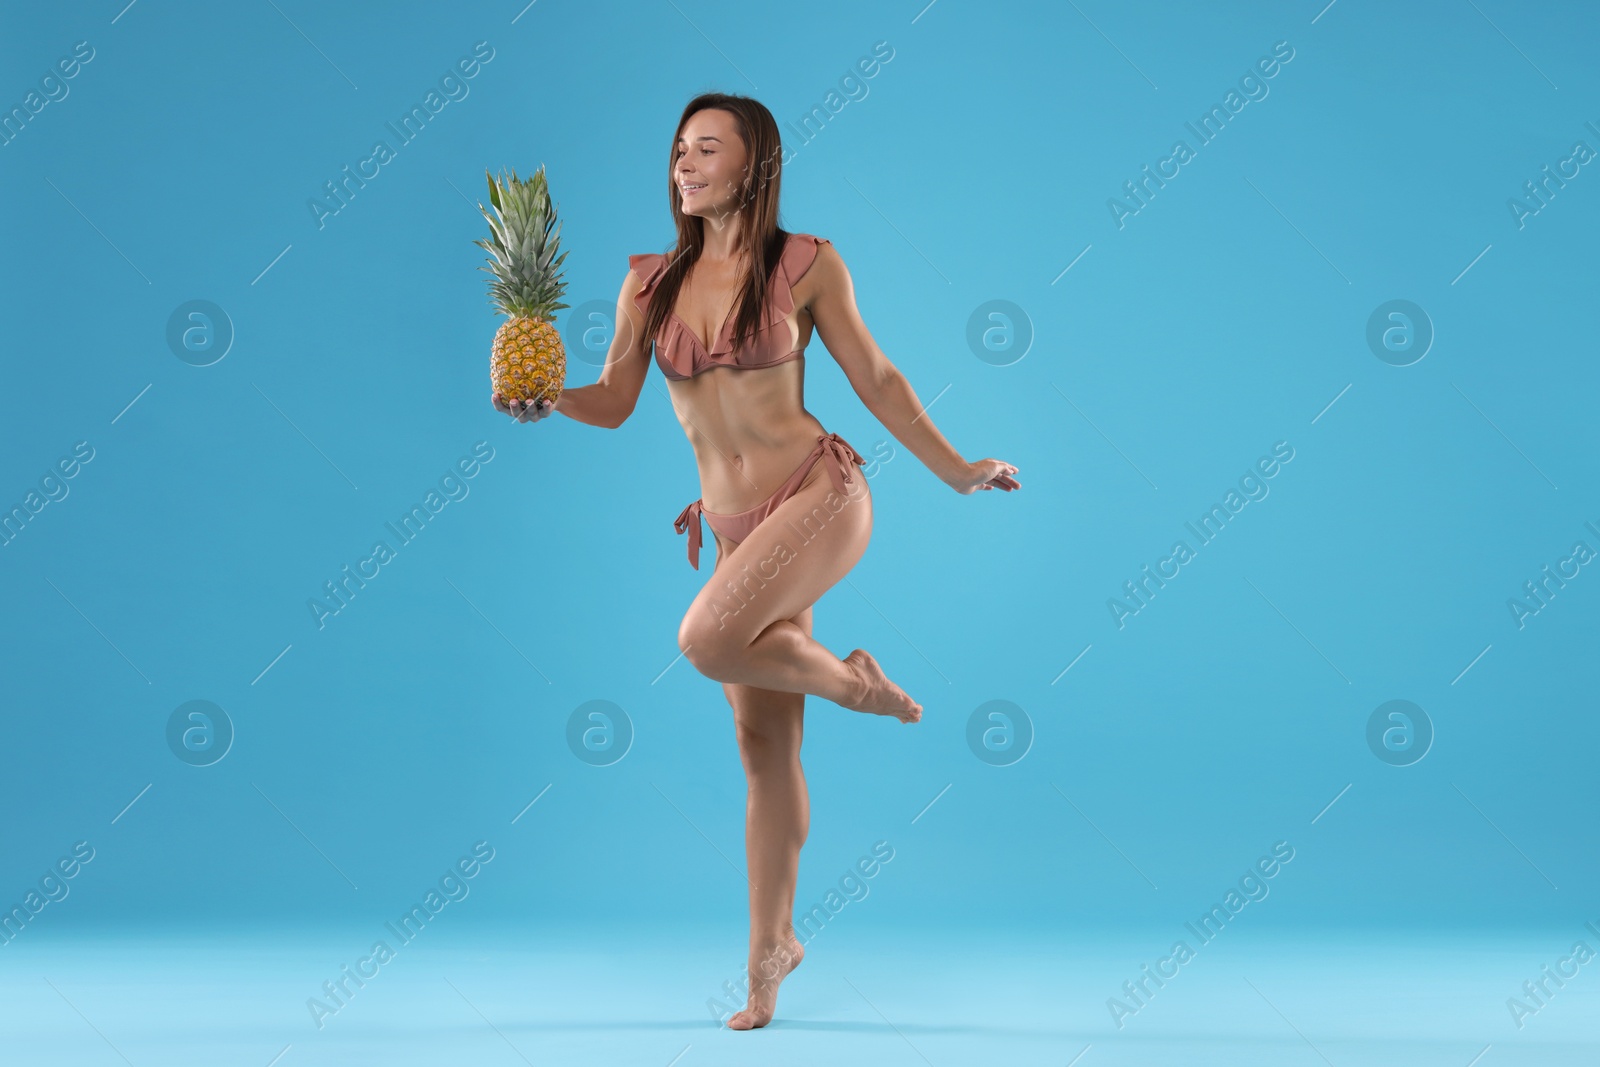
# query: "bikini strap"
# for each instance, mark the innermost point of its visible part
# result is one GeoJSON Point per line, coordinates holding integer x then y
{"type": "Point", "coordinates": [649, 266]}
{"type": "Point", "coordinates": [689, 519]}
{"type": "Point", "coordinates": [846, 455]}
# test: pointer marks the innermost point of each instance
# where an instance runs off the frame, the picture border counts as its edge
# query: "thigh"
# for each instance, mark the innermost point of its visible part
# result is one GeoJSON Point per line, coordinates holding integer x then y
{"type": "Point", "coordinates": [725, 549]}
{"type": "Point", "coordinates": [768, 722]}
{"type": "Point", "coordinates": [798, 553]}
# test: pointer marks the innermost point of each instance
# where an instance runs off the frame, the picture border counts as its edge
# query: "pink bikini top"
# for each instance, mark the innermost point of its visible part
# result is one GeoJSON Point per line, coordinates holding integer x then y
{"type": "Point", "coordinates": [680, 354]}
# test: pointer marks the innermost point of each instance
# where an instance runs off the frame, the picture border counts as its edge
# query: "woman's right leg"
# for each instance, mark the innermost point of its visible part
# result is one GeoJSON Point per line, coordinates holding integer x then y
{"type": "Point", "coordinates": [777, 818]}
{"type": "Point", "coordinates": [769, 726]}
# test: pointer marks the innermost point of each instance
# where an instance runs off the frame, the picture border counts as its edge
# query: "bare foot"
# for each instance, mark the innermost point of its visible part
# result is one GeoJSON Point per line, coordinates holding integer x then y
{"type": "Point", "coordinates": [880, 696]}
{"type": "Point", "coordinates": [765, 975]}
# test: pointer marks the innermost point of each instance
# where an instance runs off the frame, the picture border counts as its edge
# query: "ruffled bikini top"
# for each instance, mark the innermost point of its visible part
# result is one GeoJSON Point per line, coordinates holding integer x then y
{"type": "Point", "coordinates": [680, 354]}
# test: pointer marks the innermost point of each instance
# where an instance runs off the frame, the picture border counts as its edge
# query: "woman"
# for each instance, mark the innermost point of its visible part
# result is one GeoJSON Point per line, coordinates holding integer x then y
{"type": "Point", "coordinates": [730, 312]}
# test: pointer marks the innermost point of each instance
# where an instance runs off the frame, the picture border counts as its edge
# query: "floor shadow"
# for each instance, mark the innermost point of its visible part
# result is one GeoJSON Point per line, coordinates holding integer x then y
{"type": "Point", "coordinates": [843, 1026]}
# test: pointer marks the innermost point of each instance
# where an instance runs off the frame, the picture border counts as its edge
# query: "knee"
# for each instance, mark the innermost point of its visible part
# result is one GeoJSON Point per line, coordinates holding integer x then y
{"type": "Point", "coordinates": [756, 751]}
{"type": "Point", "coordinates": [707, 646]}
{"type": "Point", "coordinates": [768, 757]}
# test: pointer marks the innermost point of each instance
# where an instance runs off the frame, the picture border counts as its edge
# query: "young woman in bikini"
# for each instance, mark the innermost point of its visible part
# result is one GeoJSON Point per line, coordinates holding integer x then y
{"type": "Point", "coordinates": [730, 313]}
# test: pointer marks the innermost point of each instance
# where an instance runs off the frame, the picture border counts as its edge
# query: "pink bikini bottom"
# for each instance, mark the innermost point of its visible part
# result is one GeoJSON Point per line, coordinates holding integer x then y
{"type": "Point", "coordinates": [737, 527]}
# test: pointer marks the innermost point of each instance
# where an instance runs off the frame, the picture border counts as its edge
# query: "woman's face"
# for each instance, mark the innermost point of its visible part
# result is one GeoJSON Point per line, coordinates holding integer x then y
{"type": "Point", "coordinates": [711, 163]}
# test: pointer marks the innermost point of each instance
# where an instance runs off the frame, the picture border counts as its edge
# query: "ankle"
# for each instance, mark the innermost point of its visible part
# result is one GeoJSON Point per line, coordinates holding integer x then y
{"type": "Point", "coordinates": [779, 942]}
{"type": "Point", "coordinates": [770, 955]}
{"type": "Point", "coordinates": [857, 685]}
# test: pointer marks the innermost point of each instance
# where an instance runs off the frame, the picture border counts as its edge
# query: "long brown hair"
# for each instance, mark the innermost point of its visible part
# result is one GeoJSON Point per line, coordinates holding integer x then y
{"type": "Point", "coordinates": [757, 210]}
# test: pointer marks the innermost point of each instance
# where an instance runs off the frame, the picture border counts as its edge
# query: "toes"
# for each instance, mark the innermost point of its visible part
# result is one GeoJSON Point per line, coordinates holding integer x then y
{"type": "Point", "coordinates": [743, 1021]}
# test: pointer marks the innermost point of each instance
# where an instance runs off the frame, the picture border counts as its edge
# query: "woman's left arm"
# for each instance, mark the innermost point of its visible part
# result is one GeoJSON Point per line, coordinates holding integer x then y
{"type": "Point", "coordinates": [881, 386]}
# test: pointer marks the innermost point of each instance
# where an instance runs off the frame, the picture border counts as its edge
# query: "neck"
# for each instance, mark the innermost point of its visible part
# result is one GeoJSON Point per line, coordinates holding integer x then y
{"type": "Point", "coordinates": [721, 236]}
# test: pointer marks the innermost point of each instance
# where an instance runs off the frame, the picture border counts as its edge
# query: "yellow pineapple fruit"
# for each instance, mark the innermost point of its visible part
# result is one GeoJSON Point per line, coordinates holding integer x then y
{"type": "Point", "coordinates": [528, 361]}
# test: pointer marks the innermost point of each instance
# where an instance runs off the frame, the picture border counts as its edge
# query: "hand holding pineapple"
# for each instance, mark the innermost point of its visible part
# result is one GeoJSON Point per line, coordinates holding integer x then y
{"type": "Point", "coordinates": [527, 364]}
{"type": "Point", "coordinates": [524, 410]}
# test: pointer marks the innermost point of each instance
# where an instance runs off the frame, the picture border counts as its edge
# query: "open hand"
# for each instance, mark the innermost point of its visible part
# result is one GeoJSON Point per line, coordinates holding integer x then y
{"type": "Point", "coordinates": [523, 410]}
{"type": "Point", "coordinates": [987, 474]}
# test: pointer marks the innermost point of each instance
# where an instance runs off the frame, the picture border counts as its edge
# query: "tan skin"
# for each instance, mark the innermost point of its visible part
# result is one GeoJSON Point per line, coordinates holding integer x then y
{"type": "Point", "coordinates": [749, 429]}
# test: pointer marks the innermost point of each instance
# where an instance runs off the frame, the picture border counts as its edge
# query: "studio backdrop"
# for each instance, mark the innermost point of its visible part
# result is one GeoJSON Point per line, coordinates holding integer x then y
{"type": "Point", "coordinates": [1284, 652]}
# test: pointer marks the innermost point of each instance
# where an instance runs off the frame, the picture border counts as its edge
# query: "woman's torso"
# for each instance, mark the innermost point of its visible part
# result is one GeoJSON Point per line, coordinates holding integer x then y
{"type": "Point", "coordinates": [748, 426]}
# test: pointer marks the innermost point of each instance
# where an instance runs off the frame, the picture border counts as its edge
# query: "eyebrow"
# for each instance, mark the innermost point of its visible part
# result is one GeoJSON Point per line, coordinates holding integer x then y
{"type": "Point", "coordinates": [716, 139]}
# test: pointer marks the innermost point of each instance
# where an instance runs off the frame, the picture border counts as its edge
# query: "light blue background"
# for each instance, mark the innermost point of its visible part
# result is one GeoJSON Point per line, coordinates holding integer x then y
{"type": "Point", "coordinates": [1227, 315]}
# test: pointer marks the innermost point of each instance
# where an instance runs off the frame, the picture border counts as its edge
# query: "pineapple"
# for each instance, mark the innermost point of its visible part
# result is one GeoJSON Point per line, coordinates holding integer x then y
{"type": "Point", "coordinates": [528, 361]}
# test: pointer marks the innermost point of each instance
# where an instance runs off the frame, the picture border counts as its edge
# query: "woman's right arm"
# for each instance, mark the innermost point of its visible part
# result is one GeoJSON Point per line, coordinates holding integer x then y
{"type": "Point", "coordinates": [609, 401]}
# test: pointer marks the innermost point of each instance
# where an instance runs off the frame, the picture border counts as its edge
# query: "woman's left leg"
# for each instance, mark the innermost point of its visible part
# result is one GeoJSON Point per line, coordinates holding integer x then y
{"type": "Point", "coordinates": [769, 726]}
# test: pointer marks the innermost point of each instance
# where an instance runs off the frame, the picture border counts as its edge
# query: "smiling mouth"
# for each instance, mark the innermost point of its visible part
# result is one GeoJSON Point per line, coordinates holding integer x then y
{"type": "Point", "coordinates": [688, 189]}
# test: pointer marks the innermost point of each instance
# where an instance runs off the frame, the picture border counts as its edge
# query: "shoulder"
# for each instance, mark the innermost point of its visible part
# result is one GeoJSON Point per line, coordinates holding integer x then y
{"type": "Point", "coordinates": [817, 260]}
{"type": "Point", "coordinates": [647, 264]}
{"type": "Point", "coordinates": [647, 268]}
{"type": "Point", "coordinates": [807, 243]}
{"type": "Point", "coordinates": [817, 271]}
{"type": "Point", "coordinates": [806, 250]}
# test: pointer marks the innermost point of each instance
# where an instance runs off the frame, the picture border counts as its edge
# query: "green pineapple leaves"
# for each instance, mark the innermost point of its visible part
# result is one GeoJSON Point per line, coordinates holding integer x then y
{"type": "Point", "coordinates": [522, 246]}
